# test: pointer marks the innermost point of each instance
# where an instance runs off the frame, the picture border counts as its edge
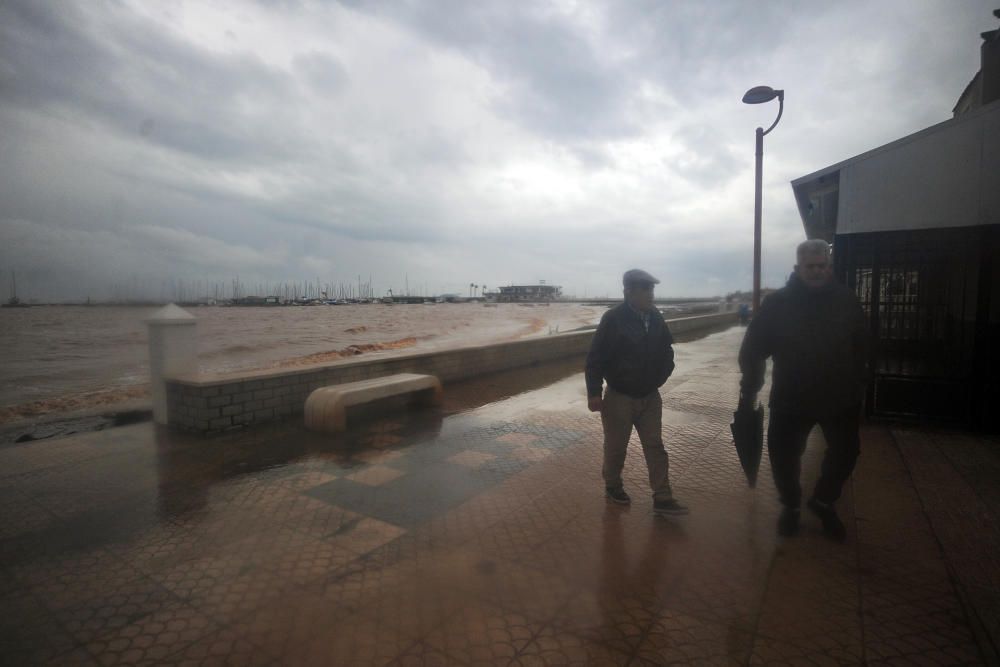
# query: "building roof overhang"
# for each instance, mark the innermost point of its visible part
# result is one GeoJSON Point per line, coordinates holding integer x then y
{"type": "Point", "coordinates": [821, 200]}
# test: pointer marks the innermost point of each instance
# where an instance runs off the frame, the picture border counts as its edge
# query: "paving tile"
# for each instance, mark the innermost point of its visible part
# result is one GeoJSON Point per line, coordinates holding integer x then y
{"type": "Point", "coordinates": [381, 440]}
{"type": "Point", "coordinates": [228, 586]}
{"type": "Point", "coordinates": [379, 456]}
{"type": "Point", "coordinates": [67, 579]}
{"type": "Point", "coordinates": [29, 633]}
{"type": "Point", "coordinates": [223, 648]}
{"type": "Point", "coordinates": [295, 557]}
{"type": "Point", "coordinates": [471, 459]}
{"type": "Point", "coordinates": [417, 594]}
{"type": "Point", "coordinates": [518, 438]}
{"type": "Point", "coordinates": [917, 622]}
{"type": "Point", "coordinates": [539, 596]}
{"type": "Point", "coordinates": [724, 601]}
{"type": "Point", "coordinates": [555, 647]}
{"type": "Point", "coordinates": [813, 601]}
{"type": "Point", "coordinates": [94, 593]}
{"type": "Point", "coordinates": [306, 629]}
{"type": "Point", "coordinates": [483, 537]}
{"type": "Point", "coordinates": [423, 655]}
{"type": "Point", "coordinates": [19, 514]}
{"type": "Point", "coordinates": [24, 459]}
{"type": "Point", "coordinates": [321, 520]}
{"type": "Point", "coordinates": [107, 613]}
{"type": "Point", "coordinates": [516, 539]}
{"type": "Point", "coordinates": [289, 619]}
{"type": "Point", "coordinates": [375, 475]}
{"type": "Point", "coordinates": [78, 657]}
{"type": "Point", "coordinates": [482, 634]}
{"type": "Point", "coordinates": [364, 535]}
{"type": "Point", "coordinates": [678, 639]}
{"type": "Point", "coordinates": [304, 481]}
{"type": "Point", "coordinates": [440, 488]}
{"type": "Point", "coordinates": [67, 491]}
{"type": "Point", "coordinates": [152, 638]}
{"type": "Point", "coordinates": [160, 546]}
{"type": "Point", "coordinates": [767, 651]}
{"type": "Point", "coordinates": [609, 616]}
{"type": "Point", "coordinates": [531, 454]}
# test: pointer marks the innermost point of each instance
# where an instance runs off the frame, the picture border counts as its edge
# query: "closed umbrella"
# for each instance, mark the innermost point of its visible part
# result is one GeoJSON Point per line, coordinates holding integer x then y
{"type": "Point", "coordinates": [748, 436]}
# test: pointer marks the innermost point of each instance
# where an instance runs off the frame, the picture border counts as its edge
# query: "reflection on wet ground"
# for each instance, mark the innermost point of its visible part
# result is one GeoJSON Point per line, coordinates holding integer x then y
{"type": "Point", "coordinates": [478, 534]}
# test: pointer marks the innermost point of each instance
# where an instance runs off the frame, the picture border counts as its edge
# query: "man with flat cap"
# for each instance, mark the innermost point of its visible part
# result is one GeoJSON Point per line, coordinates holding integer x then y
{"type": "Point", "coordinates": [632, 351]}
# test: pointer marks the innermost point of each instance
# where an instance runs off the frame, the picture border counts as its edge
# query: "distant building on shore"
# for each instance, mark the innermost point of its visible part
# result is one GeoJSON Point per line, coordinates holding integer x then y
{"type": "Point", "coordinates": [257, 301]}
{"type": "Point", "coordinates": [529, 293]}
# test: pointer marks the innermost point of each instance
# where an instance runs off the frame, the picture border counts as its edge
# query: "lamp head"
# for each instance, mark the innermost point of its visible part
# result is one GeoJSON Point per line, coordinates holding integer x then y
{"type": "Point", "coordinates": [761, 94]}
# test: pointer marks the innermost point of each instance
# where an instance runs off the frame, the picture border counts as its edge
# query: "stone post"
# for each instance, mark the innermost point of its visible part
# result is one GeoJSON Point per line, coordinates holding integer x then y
{"type": "Point", "coordinates": [173, 350]}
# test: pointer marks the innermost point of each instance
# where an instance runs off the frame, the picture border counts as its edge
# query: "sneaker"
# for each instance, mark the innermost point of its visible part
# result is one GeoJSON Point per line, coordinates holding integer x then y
{"type": "Point", "coordinates": [788, 522]}
{"type": "Point", "coordinates": [832, 525]}
{"type": "Point", "coordinates": [617, 495]}
{"type": "Point", "coordinates": [669, 508]}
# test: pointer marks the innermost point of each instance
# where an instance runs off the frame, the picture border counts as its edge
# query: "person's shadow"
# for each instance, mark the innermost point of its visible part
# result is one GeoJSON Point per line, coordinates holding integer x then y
{"type": "Point", "coordinates": [632, 590]}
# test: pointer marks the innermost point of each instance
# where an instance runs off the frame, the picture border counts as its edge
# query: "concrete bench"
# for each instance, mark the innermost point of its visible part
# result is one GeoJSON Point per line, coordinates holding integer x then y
{"type": "Point", "coordinates": [326, 408]}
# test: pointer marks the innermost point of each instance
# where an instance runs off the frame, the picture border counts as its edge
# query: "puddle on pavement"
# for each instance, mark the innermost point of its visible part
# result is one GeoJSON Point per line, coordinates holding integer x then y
{"type": "Point", "coordinates": [188, 466]}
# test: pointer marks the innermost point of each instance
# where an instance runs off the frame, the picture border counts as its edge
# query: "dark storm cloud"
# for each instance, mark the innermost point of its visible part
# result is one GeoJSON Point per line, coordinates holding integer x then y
{"type": "Point", "coordinates": [556, 82]}
{"type": "Point", "coordinates": [486, 142]}
{"type": "Point", "coordinates": [141, 81]}
{"type": "Point", "coordinates": [324, 72]}
{"type": "Point", "coordinates": [706, 160]}
{"type": "Point", "coordinates": [698, 50]}
{"type": "Point", "coordinates": [220, 108]}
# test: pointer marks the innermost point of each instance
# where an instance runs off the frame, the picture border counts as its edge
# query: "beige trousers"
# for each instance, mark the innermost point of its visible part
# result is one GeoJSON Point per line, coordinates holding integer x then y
{"type": "Point", "coordinates": [619, 415]}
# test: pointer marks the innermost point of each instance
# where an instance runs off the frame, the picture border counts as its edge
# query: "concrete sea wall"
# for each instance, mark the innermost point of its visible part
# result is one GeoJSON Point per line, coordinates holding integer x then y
{"type": "Point", "coordinates": [209, 404]}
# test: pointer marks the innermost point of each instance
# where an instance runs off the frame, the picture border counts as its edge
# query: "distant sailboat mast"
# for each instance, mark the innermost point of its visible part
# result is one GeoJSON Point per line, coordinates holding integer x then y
{"type": "Point", "coordinates": [14, 302]}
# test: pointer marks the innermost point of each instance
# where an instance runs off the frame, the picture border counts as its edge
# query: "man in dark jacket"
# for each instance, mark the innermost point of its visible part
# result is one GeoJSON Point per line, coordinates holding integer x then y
{"type": "Point", "coordinates": [814, 330]}
{"type": "Point", "coordinates": [632, 351]}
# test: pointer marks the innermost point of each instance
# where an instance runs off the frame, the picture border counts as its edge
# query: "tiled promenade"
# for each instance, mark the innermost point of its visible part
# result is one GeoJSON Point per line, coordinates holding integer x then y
{"type": "Point", "coordinates": [482, 538]}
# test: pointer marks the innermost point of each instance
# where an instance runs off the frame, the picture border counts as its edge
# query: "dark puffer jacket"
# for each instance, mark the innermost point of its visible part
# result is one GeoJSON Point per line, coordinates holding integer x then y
{"type": "Point", "coordinates": [819, 344]}
{"type": "Point", "coordinates": [634, 361]}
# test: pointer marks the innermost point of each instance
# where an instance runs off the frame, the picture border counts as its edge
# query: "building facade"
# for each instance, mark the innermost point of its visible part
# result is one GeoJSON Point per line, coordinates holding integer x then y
{"type": "Point", "coordinates": [915, 228]}
{"type": "Point", "coordinates": [529, 293]}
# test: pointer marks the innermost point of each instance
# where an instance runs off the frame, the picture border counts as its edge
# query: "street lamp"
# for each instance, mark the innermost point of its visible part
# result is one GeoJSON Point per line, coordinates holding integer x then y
{"type": "Point", "coordinates": [759, 95]}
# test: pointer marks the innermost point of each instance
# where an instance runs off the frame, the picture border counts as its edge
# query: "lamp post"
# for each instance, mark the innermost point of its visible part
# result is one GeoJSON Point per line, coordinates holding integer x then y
{"type": "Point", "coordinates": [759, 95]}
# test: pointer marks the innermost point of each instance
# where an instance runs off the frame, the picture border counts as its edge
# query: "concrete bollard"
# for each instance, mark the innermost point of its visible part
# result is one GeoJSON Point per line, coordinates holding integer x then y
{"type": "Point", "coordinates": [173, 350]}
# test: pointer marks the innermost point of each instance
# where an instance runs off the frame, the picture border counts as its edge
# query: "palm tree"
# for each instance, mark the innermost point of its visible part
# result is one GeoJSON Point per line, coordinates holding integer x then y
{"type": "Point", "coordinates": [471, 286]}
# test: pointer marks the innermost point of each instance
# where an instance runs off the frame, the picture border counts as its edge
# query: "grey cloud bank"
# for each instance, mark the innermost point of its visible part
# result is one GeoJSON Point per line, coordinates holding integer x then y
{"type": "Point", "coordinates": [441, 143]}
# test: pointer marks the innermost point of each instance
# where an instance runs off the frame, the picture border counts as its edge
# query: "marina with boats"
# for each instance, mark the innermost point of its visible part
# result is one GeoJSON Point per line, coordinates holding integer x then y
{"type": "Point", "coordinates": [316, 293]}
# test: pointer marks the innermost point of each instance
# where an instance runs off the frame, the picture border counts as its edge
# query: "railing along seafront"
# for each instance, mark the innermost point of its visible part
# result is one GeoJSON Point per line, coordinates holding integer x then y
{"type": "Point", "coordinates": [188, 401]}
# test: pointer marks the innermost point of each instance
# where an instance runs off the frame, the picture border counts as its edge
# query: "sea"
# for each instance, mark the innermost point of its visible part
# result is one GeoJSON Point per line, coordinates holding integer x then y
{"type": "Point", "coordinates": [57, 359]}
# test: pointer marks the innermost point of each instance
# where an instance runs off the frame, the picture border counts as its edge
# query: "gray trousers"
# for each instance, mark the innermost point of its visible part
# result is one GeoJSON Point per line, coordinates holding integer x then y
{"type": "Point", "coordinates": [619, 415]}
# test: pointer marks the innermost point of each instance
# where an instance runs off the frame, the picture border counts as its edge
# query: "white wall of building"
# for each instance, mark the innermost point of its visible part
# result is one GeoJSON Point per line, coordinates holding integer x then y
{"type": "Point", "coordinates": [945, 176]}
{"type": "Point", "coordinates": [931, 182]}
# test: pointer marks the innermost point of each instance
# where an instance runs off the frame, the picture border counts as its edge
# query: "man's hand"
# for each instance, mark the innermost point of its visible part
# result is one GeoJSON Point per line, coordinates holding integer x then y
{"type": "Point", "coordinates": [595, 403]}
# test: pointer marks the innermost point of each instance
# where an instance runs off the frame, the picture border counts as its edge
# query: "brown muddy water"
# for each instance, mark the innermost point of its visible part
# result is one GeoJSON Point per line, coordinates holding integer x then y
{"type": "Point", "coordinates": [63, 358]}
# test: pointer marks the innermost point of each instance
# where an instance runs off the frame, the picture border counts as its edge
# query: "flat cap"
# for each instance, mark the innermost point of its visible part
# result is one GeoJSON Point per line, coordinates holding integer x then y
{"type": "Point", "coordinates": [634, 276]}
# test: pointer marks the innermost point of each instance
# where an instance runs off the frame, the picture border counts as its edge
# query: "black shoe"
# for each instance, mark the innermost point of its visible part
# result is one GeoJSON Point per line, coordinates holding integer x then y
{"type": "Point", "coordinates": [669, 508]}
{"type": "Point", "coordinates": [617, 495]}
{"type": "Point", "coordinates": [788, 522]}
{"type": "Point", "coordinates": [832, 525]}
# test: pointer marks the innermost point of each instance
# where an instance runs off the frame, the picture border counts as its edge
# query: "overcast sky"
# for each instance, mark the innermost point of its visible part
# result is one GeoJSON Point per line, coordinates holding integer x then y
{"type": "Point", "coordinates": [442, 143]}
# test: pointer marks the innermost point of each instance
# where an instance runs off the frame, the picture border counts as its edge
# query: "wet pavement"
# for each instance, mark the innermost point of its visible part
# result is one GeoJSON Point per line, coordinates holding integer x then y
{"type": "Point", "coordinates": [479, 534]}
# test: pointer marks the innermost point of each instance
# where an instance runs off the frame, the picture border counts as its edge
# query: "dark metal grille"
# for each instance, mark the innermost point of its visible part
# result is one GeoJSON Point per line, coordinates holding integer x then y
{"type": "Point", "coordinates": [919, 290]}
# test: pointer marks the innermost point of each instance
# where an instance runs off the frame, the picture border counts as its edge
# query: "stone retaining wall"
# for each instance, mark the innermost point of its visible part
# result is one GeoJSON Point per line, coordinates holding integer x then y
{"type": "Point", "coordinates": [211, 404]}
